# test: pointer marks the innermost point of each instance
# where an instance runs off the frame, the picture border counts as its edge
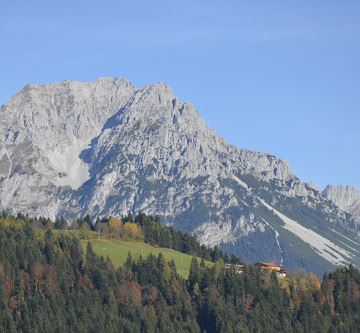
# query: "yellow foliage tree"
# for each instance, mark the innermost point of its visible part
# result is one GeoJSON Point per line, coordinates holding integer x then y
{"type": "Point", "coordinates": [133, 231]}
{"type": "Point", "coordinates": [115, 224]}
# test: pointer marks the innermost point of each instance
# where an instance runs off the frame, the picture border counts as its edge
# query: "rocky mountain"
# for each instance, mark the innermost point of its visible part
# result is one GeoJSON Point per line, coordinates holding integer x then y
{"type": "Point", "coordinates": [104, 148]}
{"type": "Point", "coordinates": [43, 129]}
{"type": "Point", "coordinates": [346, 198]}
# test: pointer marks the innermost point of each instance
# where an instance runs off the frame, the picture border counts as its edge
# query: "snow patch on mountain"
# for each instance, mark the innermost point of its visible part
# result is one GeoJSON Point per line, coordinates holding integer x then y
{"type": "Point", "coordinates": [240, 182]}
{"type": "Point", "coordinates": [327, 249]}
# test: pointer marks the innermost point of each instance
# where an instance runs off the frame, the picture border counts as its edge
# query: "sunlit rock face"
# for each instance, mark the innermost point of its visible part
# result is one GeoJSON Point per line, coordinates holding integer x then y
{"type": "Point", "coordinates": [43, 129]}
{"type": "Point", "coordinates": [106, 148]}
{"type": "Point", "coordinates": [345, 197]}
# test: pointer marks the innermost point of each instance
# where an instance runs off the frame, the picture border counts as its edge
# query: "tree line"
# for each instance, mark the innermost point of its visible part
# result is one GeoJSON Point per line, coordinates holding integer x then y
{"type": "Point", "coordinates": [139, 227]}
{"type": "Point", "coordinates": [47, 284]}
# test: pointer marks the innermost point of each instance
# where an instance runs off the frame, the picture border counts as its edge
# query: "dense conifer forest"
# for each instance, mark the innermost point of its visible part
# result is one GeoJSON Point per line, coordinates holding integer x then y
{"type": "Point", "coordinates": [47, 284]}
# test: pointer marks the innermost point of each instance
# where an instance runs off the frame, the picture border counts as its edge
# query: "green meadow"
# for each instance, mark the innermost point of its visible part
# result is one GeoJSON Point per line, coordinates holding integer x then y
{"type": "Point", "coordinates": [117, 251]}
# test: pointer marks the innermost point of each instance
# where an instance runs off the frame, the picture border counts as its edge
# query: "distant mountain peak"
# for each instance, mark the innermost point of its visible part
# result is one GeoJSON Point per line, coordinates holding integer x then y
{"type": "Point", "coordinates": [345, 197]}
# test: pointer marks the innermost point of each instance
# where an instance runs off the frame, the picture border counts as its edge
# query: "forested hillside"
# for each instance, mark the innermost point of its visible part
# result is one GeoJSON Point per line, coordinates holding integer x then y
{"type": "Point", "coordinates": [47, 284]}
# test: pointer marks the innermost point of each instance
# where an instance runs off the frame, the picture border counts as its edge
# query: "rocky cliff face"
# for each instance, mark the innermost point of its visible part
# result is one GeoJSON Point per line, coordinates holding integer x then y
{"type": "Point", "coordinates": [346, 198]}
{"type": "Point", "coordinates": [43, 129]}
{"type": "Point", "coordinates": [104, 148]}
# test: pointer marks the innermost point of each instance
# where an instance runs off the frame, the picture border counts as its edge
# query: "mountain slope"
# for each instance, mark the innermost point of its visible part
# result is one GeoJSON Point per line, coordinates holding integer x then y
{"type": "Point", "coordinates": [346, 198]}
{"type": "Point", "coordinates": [146, 150]}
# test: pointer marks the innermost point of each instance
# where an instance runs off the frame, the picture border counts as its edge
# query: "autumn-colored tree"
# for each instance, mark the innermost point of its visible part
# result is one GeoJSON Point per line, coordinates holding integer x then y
{"type": "Point", "coordinates": [133, 231]}
{"type": "Point", "coordinates": [116, 227]}
{"type": "Point", "coordinates": [130, 291]}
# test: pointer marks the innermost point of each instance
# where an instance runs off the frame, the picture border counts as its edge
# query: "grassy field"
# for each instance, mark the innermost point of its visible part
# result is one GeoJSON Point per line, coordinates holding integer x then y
{"type": "Point", "coordinates": [117, 251]}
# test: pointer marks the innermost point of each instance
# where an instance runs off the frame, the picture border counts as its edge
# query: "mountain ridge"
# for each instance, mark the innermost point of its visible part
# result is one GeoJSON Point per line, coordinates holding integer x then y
{"type": "Point", "coordinates": [145, 150]}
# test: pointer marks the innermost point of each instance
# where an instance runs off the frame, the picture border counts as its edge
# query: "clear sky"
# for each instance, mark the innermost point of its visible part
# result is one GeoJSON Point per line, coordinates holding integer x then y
{"type": "Point", "coordinates": [275, 76]}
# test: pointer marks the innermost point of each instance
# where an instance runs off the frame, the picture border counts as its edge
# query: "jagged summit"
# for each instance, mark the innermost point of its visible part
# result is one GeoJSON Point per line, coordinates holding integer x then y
{"type": "Point", "coordinates": [69, 83]}
{"type": "Point", "coordinates": [105, 147]}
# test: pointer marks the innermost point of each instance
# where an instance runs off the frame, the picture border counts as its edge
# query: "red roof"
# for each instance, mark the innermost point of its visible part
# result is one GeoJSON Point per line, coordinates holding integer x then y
{"type": "Point", "coordinates": [268, 264]}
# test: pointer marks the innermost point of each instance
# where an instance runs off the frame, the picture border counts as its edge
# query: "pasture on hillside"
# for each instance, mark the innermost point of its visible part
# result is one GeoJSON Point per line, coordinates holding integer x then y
{"type": "Point", "coordinates": [117, 251]}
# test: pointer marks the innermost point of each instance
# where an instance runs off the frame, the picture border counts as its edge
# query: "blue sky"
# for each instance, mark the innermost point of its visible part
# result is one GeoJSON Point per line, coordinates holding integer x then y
{"type": "Point", "coordinates": [275, 76]}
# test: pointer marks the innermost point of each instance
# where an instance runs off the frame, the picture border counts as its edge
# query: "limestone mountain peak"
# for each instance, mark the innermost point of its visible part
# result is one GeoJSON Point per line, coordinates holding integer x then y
{"type": "Point", "coordinates": [106, 147]}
